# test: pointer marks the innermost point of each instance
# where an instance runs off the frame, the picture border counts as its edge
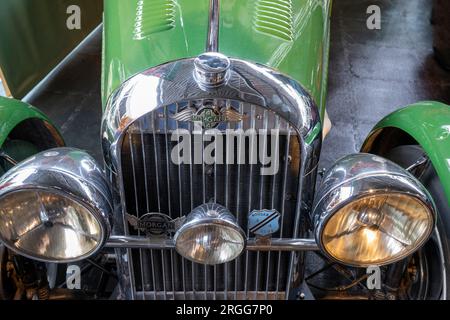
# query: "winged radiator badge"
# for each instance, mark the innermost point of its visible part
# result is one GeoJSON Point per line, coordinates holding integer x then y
{"type": "Point", "coordinates": [209, 117]}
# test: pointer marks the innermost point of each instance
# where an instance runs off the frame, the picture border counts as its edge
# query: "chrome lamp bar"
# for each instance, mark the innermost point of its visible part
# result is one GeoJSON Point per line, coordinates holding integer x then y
{"type": "Point", "coordinates": [136, 242]}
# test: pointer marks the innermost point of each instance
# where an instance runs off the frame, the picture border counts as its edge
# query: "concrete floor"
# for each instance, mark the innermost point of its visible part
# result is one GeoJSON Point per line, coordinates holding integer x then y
{"type": "Point", "coordinates": [72, 98]}
{"type": "Point", "coordinates": [372, 73]}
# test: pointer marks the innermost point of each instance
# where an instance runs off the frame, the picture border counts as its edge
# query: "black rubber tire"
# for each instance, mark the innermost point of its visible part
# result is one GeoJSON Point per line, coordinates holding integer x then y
{"type": "Point", "coordinates": [437, 249]}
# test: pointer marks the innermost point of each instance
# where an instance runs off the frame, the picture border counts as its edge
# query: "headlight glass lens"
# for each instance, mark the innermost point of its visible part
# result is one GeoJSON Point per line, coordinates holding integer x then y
{"type": "Point", "coordinates": [48, 226]}
{"type": "Point", "coordinates": [377, 229]}
{"type": "Point", "coordinates": [210, 243]}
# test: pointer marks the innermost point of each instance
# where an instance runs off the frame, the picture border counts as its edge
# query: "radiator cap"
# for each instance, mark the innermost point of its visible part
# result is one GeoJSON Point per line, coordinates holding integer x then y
{"type": "Point", "coordinates": [211, 69]}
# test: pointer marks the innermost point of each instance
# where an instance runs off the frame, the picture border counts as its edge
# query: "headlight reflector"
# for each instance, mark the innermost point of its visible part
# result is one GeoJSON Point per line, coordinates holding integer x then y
{"type": "Point", "coordinates": [371, 212]}
{"type": "Point", "coordinates": [54, 207]}
{"type": "Point", "coordinates": [210, 236]}
{"type": "Point", "coordinates": [376, 229]}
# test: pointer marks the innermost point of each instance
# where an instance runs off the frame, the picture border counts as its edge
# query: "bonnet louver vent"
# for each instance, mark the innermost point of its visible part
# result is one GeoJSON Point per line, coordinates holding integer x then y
{"type": "Point", "coordinates": [274, 17]}
{"type": "Point", "coordinates": [152, 17]}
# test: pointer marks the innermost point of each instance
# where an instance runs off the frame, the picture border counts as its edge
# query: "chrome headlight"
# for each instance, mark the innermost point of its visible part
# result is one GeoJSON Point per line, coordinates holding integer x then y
{"type": "Point", "coordinates": [370, 211]}
{"type": "Point", "coordinates": [210, 235]}
{"type": "Point", "coordinates": [55, 206]}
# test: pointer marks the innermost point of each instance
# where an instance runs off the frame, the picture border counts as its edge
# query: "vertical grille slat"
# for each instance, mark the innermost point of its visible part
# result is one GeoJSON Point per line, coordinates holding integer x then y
{"type": "Point", "coordinates": [250, 184]}
{"type": "Point", "coordinates": [180, 185]}
{"type": "Point", "coordinates": [283, 202]}
{"type": "Point", "coordinates": [238, 193]}
{"type": "Point", "coordinates": [216, 182]}
{"type": "Point", "coordinates": [169, 193]}
{"type": "Point", "coordinates": [141, 263]}
{"type": "Point", "coordinates": [272, 202]}
{"type": "Point", "coordinates": [265, 119]}
{"type": "Point", "coordinates": [205, 267]}
{"type": "Point", "coordinates": [153, 183]}
{"type": "Point", "coordinates": [227, 265]}
{"type": "Point", "coordinates": [191, 192]}
{"type": "Point", "coordinates": [156, 162]}
{"type": "Point", "coordinates": [163, 262]}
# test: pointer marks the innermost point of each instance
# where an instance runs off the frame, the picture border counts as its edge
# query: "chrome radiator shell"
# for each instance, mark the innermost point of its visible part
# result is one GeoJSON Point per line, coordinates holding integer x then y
{"type": "Point", "coordinates": [173, 84]}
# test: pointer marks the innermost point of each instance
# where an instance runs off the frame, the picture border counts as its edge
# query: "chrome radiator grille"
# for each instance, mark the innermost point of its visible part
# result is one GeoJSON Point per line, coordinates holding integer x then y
{"type": "Point", "coordinates": [153, 183]}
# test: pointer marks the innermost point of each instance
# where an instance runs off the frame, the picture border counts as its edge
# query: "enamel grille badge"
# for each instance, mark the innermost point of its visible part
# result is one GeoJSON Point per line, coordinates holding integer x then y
{"type": "Point", "coordinates": [154, 224]}
{"type": "Point", "coordinates": [210, 117]}
{"type": "Point", "coordinates": [264, 223]}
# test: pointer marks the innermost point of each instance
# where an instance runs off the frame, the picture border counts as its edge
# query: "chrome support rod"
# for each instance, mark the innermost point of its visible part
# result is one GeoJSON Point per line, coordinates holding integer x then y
{"type": "Point", "coordinates": [136, 242]}
{"type": "Point", "coordinates": [8, 158]}
{"type": "Point", "coordinates": [212, 44]}
{"type": "Point", "coordinates": [133, 242]}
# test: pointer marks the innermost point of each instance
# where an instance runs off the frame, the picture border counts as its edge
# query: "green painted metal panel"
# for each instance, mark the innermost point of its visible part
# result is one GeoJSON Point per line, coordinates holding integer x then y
{"type": "Point", "coordinates": [290, 36]}
{"type": "Point", "coordinates": [13, 112]}
{"type": "Point", "coordinates": [34, 38]}
{"type": "Point", "coordinates": [429, 124]}
{"type": "Point", "coordinates": [133, 41]}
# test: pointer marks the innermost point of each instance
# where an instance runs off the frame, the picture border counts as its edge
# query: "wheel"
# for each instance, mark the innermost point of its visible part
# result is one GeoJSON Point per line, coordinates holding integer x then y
{"type": "Point", "coordinates": [429, 269]}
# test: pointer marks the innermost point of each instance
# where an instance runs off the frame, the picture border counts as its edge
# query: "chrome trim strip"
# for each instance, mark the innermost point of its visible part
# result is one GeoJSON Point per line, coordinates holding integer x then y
{"type": "Point", "coordinates": [135, 242]}
{"type": "Point", "coordinates": [212, 44]}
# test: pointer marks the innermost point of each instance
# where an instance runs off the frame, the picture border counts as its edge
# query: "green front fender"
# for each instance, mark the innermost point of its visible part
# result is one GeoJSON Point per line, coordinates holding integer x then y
{"type": "Point", "coordinates": [425, 123]}
{"type": "Point", "coordinates": [27, 123]}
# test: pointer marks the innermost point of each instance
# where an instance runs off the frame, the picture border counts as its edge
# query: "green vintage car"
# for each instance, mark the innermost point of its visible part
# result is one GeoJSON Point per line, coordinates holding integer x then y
{"type": "Point", "coordinates": [214, 114]}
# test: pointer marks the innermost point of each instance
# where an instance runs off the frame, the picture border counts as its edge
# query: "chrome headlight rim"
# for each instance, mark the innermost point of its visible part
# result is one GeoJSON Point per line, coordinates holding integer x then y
{"type": "Point", "coordinates": [375, 176]}
{"type": "Point", "coordinates": [209, 223]}
{"type": "Point", "coordinates": [104, 224]}
{"type": "Point", "coordinates": [320, 226]}
{"type": "Point", "coordinates": [223, 221]}
{"type": "Point", "coordinates": [70, 174]}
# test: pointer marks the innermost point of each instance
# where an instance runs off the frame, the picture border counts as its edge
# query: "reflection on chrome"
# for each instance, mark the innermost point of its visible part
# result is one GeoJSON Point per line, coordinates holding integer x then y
{"type": "Point", "coordinates": [210, 235]}
{"type": "Point", "coordinates": [397, 222]}
{"type": "Point", "coordinates": [369, 211]}
{"type": "Point", "coordinates": [55, 206]}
